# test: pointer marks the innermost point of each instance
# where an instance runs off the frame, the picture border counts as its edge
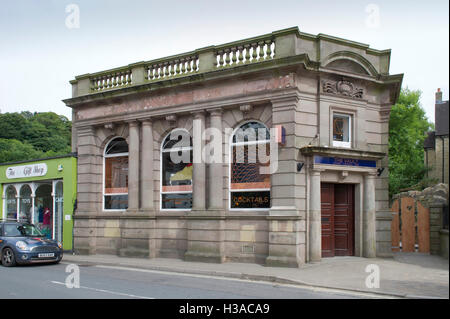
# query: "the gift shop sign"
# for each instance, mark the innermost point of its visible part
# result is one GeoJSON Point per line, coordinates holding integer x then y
{"type": "Point", "coordinates": [32, 170]}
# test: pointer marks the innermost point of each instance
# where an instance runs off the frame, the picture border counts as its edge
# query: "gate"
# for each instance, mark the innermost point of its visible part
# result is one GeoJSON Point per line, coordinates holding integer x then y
{"type": "Point", "coordinates": [410, 228]}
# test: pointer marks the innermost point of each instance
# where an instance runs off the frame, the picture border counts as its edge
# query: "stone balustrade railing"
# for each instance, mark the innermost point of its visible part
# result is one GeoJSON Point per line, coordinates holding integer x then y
{"type": "Point", "coordinates": [212, 58]}
{"type": "Point", "coordinates": [246, 51]}
{"type": "Point", "coordinates": [111, 80]}
{"type": "Point", "coordinates": [221, 58]}
{"type": "Point", "coordinates": [171, 67]}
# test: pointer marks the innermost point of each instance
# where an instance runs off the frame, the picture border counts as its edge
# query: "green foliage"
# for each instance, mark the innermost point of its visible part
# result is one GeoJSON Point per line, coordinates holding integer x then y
{"type": "Point", "coordinates": [407, 131]}
{"type": "Point", "coordinates": [26, 135]}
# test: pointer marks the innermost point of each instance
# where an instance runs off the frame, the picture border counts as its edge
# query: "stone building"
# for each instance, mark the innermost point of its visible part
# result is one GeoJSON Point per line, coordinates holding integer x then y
{"type": "Point", "coordinates": [322, 105]}
{"type": "Point", "coordinates": [436, 144]}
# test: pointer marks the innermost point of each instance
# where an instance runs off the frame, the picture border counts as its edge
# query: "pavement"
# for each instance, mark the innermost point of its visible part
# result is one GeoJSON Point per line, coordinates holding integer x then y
{"type": "Point", "coordinates": [406, 275]}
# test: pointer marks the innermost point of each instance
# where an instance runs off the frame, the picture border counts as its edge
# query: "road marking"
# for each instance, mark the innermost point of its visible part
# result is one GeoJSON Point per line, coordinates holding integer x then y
{"type": "Point", "coordinates": [105, 291]}
{"type": "Point", "coordinates": [315, 289]}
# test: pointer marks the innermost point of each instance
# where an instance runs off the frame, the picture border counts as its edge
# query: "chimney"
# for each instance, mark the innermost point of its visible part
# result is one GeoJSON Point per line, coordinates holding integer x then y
{"type": "Point", "coordinates": [438, 96]}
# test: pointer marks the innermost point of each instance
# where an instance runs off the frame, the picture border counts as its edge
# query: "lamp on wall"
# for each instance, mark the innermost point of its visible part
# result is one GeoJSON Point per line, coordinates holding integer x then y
{"type": "Point", "coordinates": [299, 167]}
{"type": "Point", "coordinates": [380, 171]}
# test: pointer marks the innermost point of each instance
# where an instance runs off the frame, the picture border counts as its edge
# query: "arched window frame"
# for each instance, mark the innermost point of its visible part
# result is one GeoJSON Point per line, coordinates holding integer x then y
{"type": "Point", "coordinates": [105, 156]}
{"type": "Point", "coordinates": [6, 198]}
{"type": "Point", "coordinates": [163, 150]}
{"type": "Point", "coordinates": [22, 197]}
{"type": "Point", "coordinates": [231, 144]}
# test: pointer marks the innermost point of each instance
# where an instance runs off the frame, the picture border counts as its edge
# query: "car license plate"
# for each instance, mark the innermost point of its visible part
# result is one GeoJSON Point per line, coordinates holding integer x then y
{"type": "Point", "coordinates": [46, 255]}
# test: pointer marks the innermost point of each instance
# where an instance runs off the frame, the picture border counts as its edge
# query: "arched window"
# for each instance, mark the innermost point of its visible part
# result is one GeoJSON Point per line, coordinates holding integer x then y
{"type": "Point", "coordinates": [249, 167]}
{"type": "Point", "coordinates": [26, 205]}
{"type": "Point", "coordinates": [116, 175]}
{"type": "Point", "coordinates": [176, 171]}
{"type": "Point", "coordinates": [11, 202]}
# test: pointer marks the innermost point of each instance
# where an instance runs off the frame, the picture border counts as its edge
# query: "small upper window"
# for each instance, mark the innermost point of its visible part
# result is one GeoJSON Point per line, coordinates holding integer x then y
{"type": "Point", "coordinates": [342, 130]}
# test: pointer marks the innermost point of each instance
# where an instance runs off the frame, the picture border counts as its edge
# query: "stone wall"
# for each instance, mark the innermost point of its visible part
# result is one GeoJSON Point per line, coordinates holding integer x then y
{"type": "Point", "coordinates": [441, 159]}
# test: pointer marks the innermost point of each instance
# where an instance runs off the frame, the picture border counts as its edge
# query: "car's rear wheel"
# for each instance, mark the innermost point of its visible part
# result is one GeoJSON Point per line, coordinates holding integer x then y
{"type": "Point", "coordinates": [8, 258]}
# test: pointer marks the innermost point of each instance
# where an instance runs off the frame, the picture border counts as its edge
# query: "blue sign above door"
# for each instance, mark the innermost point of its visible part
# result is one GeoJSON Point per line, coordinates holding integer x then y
{"type": "Point", "coordinates": [344, 161]}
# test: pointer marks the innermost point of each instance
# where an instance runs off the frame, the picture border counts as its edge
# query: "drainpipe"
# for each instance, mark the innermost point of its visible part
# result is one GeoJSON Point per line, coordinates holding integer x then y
{"type": "Point", "coordinates": [443, 158]}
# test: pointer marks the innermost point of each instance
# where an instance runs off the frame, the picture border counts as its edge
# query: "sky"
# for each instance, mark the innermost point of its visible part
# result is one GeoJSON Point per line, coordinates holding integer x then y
{"type": "Point", "coordinates": [45, 43]}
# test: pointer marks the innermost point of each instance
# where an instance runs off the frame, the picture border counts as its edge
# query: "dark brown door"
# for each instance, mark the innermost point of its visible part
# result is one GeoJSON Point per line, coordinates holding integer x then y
{"type": "Point", "coordinates": [337, 220]}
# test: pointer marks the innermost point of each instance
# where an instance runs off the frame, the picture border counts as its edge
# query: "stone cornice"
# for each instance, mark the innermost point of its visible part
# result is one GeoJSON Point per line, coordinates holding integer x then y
{"type": "Point", "coordinates": [220, 74]}
{"type": "Point", "coordinates": [162, 111]}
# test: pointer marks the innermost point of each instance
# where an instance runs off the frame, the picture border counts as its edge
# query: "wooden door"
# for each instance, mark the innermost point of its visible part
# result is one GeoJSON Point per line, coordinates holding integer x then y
{"type": "Point", "coordinates": [337, 205]}
{"type": "Point", "coordinates": [327, 214]}
{"type": "Point", "coordinates": [343, 220]}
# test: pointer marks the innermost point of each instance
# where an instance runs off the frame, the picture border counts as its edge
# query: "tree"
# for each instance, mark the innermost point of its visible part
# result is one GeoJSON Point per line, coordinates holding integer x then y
{"type": "Point", "coordinates": [13, 150]}
{"type": "Point", "coordinates": [29, 135]}
{"type": "Point", "coordinates": [408, 126]}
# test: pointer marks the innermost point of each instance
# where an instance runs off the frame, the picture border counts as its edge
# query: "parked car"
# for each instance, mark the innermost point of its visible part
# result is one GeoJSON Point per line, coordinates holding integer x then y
{"type": "Point", "coordinates": [23, 243]}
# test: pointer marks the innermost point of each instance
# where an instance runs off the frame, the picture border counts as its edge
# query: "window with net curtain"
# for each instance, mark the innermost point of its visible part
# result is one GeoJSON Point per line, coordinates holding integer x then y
{"type": "Point", "coordinates": [116, 175]}
{"type": "Point", "coordinates": [249, 178]}
{"type": "Point", "coordinates": [176, 171]}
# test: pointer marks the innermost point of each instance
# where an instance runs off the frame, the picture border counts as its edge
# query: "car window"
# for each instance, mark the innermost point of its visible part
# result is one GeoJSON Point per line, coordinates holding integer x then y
{"type": "Point", "coordinates": [17, 230]}
{"type": "Point", "coordinates": [12, 231]}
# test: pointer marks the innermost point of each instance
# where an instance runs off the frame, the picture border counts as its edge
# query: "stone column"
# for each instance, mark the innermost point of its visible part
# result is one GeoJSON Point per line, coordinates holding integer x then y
{"type": "Point", "coordinates": [369, 222]}
{"type": "Point", "coordinates": [147, 191]}
{"type": "Point", "coordinates": [133, 166]}
{"type": "Point", "coordinates": [315, 222]}
{"type": "Point", "coordinates": [199, 172]}
{"type": "Point", "coordinates": [205, 228]}
{"type": "Point", "coordinates": [89, 190]}
{"type": "Point", "coordinates": [147, 165]}
{"type": "Point", "coordinates": [215, 168]}
{"type": "Point", "coordinates": [286, 240]}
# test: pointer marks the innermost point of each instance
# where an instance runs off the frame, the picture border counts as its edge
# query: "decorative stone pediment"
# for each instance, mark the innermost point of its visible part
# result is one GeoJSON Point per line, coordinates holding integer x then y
{"type": "Point", "coordinates": [344, 88]}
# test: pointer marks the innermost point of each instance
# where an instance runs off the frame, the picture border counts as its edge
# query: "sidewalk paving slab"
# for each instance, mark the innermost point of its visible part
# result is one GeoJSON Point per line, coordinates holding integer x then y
{"type": "Point", "coordinates": [405, 276]}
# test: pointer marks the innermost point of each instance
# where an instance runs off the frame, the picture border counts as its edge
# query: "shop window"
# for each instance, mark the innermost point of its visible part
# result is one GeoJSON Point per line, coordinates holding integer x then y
{"type": "Point", "coordinates": [11, 203]}
{"type": "Point", "coordinates": [43, 210]}
{"type": "Point", "coordinates": [59, 210]}
{"type": "Point", "coordinates": [249, 180]}
{"type": "Point", "coordinates": [342, 130]}
{"type": "Point", "coordinates": [26, 205]}
{"type": "Point", "coordinates": [176, 171]}
{"type": "Point", "coordinates": [116, 175]}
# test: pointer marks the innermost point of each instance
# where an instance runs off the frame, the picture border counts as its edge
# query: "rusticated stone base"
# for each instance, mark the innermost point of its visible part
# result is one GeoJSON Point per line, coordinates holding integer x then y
{"type": "Point", "coordinates": [204, 257]}
{"type": "Point", "coordinates": [277, 261]}
{"type": "Point", "coordinates": [133, 252]}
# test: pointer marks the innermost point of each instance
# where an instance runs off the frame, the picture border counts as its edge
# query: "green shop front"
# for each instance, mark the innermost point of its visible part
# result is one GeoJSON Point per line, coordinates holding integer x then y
{"type": "Point", "coordinates": [41, 192]}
